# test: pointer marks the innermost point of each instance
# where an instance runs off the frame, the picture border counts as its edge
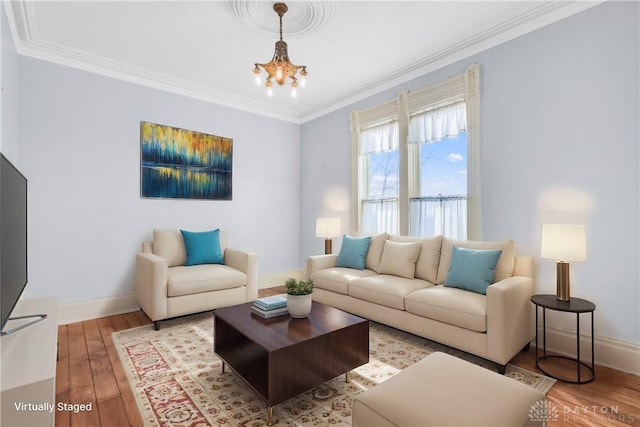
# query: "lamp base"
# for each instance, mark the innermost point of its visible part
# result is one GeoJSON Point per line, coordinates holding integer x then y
{"type": "Point", "coordinates": [327, 246]}
{"type": "Point", "coordinates": [562, 281]}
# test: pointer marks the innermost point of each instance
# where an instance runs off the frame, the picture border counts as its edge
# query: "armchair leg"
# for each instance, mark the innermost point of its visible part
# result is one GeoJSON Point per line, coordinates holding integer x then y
{"type": "Point", "coordinates": [502, 369]}
{"type": "Point", "coordinates": [156, 325]}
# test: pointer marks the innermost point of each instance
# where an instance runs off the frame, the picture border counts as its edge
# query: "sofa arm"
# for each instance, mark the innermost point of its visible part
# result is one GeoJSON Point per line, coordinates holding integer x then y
{"type": "Point", "coordinates": [247, 262]}
{"type": "Point", "coordinates": [319, 262]}
{"type": "Point", "coordinates": [509, 317]}
{"type": "Point", "coordinates": [151, 285]}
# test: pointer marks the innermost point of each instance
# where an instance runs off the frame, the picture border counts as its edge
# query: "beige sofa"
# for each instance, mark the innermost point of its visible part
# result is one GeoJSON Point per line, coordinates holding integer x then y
{"type": "Point", "coordinates": [411, 296]}
{"type": "Point", "coordinates": [166, 288]}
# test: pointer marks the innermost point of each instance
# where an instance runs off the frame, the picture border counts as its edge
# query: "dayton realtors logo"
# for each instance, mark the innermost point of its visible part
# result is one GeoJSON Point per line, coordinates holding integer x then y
{"type": "Point", "coordinates": [545, 411]}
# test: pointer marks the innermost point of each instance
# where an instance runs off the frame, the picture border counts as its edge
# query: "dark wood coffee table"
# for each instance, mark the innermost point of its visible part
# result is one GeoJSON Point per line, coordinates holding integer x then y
{"type": "Point", "coordinates": [282, 357]}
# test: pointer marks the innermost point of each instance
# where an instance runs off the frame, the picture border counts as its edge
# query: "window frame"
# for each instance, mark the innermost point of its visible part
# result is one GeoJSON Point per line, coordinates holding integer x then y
{"type": "Point", "coordinates": [464, 86]}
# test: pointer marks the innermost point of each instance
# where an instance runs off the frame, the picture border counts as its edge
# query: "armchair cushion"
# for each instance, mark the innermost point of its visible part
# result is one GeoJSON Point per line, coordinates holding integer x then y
{"type": "Point", "coordinates": [202, 247]}
{"type": "Point", "coordinates": [168, 244]}
{"type": "Point", "coordinates": [202, 278]}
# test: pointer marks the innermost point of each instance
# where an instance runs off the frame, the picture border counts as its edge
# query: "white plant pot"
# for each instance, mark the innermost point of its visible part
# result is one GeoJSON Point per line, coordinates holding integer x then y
{"type": "Point", "coordinates": [299, 306]}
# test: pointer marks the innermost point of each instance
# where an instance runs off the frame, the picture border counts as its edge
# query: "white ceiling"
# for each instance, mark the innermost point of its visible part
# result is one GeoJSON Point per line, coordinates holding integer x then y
{"type": "Point", "coordinates": [207, 49]}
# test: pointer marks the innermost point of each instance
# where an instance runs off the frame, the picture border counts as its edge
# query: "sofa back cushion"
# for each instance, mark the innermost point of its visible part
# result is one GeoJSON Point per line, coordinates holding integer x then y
{"type": "Point", "coordinates": [374, 256]}
{"type": "Point", "coordinates": [169, 244]}
{"type": "Point", "coordinates": [505, 265]}
{"type": "Point", "coordinates": [429, 258]}
{"type": "Point", "coordinates": [399, 259]}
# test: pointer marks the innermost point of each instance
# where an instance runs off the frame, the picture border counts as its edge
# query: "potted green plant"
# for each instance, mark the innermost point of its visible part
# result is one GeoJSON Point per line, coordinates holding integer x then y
{"type": "Point", "coordinates": [299, 297]}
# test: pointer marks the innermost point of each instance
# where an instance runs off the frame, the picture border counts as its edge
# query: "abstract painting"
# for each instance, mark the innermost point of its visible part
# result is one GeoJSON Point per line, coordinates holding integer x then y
{"type": "Point", "coordinates": [184, 164]}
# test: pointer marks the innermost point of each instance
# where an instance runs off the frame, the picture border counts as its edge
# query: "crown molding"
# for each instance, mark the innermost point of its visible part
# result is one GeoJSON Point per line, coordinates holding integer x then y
{"type": "Point", "coordinates": [26, 41]}
{"type": "Point", "coordinates": [545, 14]}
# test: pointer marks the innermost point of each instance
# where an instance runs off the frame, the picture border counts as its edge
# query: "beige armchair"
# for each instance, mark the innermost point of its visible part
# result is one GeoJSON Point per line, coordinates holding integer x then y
{"type": "Point", "coordinates": [166, 288]}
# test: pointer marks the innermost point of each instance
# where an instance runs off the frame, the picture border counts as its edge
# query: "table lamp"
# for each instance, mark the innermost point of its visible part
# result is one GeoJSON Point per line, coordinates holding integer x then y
{"type": "Point", "coordinates": [327, 228]}
{"type": "Point", "coordinates": [563, 243]}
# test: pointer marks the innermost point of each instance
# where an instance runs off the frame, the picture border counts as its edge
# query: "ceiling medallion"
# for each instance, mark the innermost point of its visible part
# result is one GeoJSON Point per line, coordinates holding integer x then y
{"type": "Point", "coordinates": [280, 68]}
{"type": "Point", "coordinates": [304, 17]}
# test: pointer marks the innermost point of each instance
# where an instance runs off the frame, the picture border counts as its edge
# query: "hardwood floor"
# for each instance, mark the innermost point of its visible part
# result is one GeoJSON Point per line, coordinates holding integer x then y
{"type": "Point", "coordinates": [89, 370]}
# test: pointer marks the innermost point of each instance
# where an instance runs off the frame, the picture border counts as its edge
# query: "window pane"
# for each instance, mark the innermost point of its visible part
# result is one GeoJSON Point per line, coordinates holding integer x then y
{"type": "Point", "coordinates": [383, 175]}
{"type": "Point", "coordinates": [443, 167]}
{"type": "Point", "coordinates": [441, 207]}
{"type": "Point", "coordinates": [380, 204]}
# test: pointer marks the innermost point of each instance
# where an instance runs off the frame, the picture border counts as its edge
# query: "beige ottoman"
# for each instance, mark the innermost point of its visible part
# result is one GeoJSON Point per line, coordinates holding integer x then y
{"type": "Point", "coordinates": [442, 390]}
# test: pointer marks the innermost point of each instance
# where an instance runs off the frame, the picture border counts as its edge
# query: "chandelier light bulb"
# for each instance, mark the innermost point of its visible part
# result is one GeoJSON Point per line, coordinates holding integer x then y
{"type": "Point", "coordinates": [258, 80]}
{"type": "Point", "coordinates": [270, 92]}
{"type": "Point", "coordinates": [302, 81]}
{"type": "Point", "coordinates": [279, 74]}
{"type": "Point", "coordinates": [294, 93]}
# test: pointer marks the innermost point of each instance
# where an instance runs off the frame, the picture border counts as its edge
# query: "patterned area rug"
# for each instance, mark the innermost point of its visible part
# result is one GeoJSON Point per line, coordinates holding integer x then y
{"type": "Point", "coordinates": [177, 379]}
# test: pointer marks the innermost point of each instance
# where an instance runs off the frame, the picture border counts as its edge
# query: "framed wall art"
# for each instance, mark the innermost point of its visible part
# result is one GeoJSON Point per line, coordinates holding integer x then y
{"type": "Point", "coordinates": [184, 164]}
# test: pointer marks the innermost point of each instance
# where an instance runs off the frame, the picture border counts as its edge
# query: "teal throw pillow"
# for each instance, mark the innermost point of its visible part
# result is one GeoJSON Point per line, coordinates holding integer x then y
{"type": "Point", "coordinates": [202, 247]}
{"type": "Point", "coordinates": [353, 252]}
{"type": "Point", "coordinates": [472, 269]}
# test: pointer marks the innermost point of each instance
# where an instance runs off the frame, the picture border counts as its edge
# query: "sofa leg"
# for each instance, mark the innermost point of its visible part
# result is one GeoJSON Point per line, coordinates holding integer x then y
{"type": "Point", "coordinates": [527, 347]}
{"type": "Point", "coordinates": [502, 369]}
{"type": "Point", "coordinates": [156, 325]}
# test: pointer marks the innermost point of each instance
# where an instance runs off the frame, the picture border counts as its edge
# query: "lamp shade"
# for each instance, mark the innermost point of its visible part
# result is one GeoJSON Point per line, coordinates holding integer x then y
{"type": "Point", "coordinates": [563, 242]}
{"type": "Point", "coordinates": [327, 227]}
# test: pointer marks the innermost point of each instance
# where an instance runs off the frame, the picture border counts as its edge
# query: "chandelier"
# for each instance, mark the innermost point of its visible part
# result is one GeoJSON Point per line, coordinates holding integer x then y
{"type": "Point", "coordinates": [280, 68]}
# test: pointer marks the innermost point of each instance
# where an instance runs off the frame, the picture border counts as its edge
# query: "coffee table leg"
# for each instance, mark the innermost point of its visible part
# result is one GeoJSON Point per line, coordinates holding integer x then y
{"type": "Point", "coordinates": [270, 415]}
{"type": "Point", "coordinates": [223, 367]}
{"type": "Point", "coordinates": [346, 377]}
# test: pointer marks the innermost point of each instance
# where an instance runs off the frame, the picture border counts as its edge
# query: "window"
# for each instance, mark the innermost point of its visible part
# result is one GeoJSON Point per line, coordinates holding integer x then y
{"type": "Point", "coordinates": [380, 170]}
{"type": "Point", "coordinates": [416, 161]}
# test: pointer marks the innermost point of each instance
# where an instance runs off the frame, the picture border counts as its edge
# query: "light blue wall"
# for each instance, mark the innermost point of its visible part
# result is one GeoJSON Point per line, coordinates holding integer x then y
{"type": "Point", "coordinates": [560, 132]}
{"type": "Point", "coordinates": [9, 93]}
{"type": "Point", "coordinates": [80, 149]}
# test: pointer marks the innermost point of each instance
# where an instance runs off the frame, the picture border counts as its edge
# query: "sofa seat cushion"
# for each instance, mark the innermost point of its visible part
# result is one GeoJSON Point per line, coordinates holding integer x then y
{"type": "Point", "coordinates": [202, 278]}
{"type": "Point", "coordinates": [385, 289]}
{"type": "Point", "coordinates": [450, 305]}
{"type": "Point", "coordinates": [337, 279]}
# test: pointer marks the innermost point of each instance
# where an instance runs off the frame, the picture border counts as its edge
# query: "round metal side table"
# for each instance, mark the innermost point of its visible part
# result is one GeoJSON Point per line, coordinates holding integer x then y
{"type": "Point", "coordinates": [574, 305]}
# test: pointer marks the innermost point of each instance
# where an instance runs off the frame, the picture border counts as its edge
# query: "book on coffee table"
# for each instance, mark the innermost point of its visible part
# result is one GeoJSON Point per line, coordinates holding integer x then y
{"type": "Point", "coordinates": [271, 302]}
{"type": "Point", "coordinates": [267, 314]}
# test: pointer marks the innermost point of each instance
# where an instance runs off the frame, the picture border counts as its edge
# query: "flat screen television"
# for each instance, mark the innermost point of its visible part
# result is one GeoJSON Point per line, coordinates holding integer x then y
{"type": "Point", "coordinates": [13, 237]}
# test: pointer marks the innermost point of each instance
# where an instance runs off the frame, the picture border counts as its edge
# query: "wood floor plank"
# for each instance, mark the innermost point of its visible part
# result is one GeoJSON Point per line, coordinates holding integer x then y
{"type": "Point", "coordinates": [126, 394]}
{"type": "Point", "coordinates": [113, 413]}
{"type": "Point", "coordinates": [102, 372]}
{"type": "Point", "coordinates": [119, 323]}
{"type": "Point", "coordinates": [81, 381]}
{"type": "Point", "coordinates": [62, 364]}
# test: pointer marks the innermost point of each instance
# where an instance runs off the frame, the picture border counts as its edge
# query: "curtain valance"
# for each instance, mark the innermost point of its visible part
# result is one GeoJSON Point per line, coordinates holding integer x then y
{"type": "Point", "coordinates": [379, 139]}
{"type": "Point", "coordinates": [438, 124]}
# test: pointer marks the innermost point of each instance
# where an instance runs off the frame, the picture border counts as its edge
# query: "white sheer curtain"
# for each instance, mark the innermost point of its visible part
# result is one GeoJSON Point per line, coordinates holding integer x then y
{"type": "Point", "coordinates": [378, 139]}
{"type": "Point", "coordinates": [438, 124]}
{"type": "Point", "coordinates": [380, 215]}
{"type": "Point", "coordinates": [431, 216]}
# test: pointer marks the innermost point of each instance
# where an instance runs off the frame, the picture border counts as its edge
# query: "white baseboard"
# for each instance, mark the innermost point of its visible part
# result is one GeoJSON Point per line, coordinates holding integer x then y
{"type": "Point", "coordinates": [79, 311]}
{"type": "Point", "coordinates": [277, 279]}
{"type": "Point", "coordinates": [620, 355]}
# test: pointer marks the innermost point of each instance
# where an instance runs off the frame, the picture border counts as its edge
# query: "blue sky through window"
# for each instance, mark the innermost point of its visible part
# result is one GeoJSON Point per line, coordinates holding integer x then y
{"type": "Point", "coordinates": [443, 167]}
